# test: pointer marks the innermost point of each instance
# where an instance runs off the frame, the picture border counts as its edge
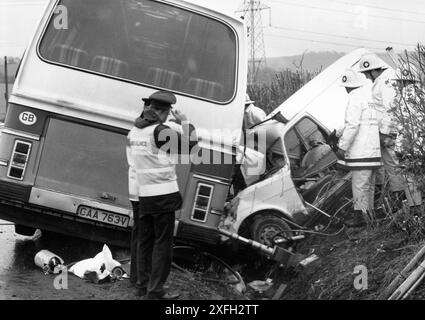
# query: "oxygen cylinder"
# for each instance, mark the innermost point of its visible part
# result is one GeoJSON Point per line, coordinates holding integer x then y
{"type": "Point", "coordinates": [48, 261]}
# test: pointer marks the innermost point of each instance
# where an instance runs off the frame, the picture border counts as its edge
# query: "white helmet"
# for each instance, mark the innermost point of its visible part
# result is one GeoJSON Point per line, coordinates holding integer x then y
{"type": "Point", "coordinates": [248, 100]}
{"type": "Point", "coordinates": [370, 61]}
{"type": "Point", "coordinates": [405, 73]}
{"type": "Point", "coordinates": [352, 79]}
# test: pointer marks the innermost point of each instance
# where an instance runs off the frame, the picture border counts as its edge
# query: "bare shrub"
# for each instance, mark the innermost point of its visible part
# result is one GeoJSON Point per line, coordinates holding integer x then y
{"type": "Point", "coordinates": [409, 112]}
{"type": "Point", "coordinates": [284, 84]}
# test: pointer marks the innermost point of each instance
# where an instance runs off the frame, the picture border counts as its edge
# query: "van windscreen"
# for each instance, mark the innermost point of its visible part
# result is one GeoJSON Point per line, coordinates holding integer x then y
{"type": "Point", "coordinates": [146, 42]}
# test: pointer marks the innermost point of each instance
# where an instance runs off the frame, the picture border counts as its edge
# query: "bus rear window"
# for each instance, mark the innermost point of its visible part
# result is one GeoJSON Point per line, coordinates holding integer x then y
{"type": "Point", "coordinates": [146, 42]}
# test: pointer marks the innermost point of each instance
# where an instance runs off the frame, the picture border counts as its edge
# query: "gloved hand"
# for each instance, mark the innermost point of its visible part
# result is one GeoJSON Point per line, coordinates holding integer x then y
{"type": "Point", "coordinates": [387, 141]}
{"type": "Point", "coordinates": [340, 154]}
{"type": "Point", "coordinates": [180, 117]}
{"type": "Point", "coordinates": [332, 141]}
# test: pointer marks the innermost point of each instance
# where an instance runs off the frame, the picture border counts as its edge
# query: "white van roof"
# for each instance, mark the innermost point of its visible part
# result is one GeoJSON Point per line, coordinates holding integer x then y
{"type": "Point", "coordinates": [323, 97]}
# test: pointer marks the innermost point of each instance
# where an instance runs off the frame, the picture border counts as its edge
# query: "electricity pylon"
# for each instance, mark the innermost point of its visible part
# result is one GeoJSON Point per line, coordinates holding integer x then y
{"type": "Point", "coordinates": [251, 13]}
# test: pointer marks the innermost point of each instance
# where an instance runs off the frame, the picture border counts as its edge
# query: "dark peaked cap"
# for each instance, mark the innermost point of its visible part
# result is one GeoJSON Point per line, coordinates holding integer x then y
{"type": "Point", "coordinates": [161, 96]}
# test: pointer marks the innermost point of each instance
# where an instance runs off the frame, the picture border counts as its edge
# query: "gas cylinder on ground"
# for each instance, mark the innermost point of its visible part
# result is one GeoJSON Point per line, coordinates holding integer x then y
{"type": "Point", "coordinates": [48, 261]}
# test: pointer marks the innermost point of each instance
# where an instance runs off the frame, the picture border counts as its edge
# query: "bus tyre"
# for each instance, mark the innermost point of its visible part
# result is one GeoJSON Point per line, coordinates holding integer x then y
{"type": "Point", "coordinates": [267, 226]}
{"type": "Point", "coordinates": [24, 230]}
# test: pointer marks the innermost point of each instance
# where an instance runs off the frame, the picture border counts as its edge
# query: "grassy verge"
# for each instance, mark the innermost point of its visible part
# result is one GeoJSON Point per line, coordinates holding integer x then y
{"type": "Point", "coordinates": [383, 251]}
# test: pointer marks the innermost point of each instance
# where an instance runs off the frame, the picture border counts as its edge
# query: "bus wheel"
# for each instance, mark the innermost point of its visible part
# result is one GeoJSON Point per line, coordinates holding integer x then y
{"type": "Point", "coordinates": [268, 226]}
{"type": "Point", "coordinates": [24, 230]}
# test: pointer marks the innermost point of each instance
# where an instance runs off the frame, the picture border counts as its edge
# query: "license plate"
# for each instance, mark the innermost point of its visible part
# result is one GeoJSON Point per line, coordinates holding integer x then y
{"type": "Point", "coordinates": [103, 216]}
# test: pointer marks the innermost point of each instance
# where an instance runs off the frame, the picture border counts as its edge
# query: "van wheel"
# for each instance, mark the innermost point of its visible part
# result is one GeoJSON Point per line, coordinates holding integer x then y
{"type": "Point", "coordinates": [267, 226]}
{"type": "Point", "coordinates": [24, 230]}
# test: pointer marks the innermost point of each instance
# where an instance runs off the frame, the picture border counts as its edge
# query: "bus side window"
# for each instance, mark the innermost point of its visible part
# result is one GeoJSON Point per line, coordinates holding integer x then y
{"type": "Point", "coordinates": [204, 88]}
{"type": "Point", "coordinates": [164, 78]}
{"type": "Point", "coordinates": [110, 66]}
{"type": "Point", "coordinates": [70, 55]}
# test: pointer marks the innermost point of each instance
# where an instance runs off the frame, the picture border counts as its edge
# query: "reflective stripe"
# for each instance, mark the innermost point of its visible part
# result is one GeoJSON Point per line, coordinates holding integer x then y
{"type": "Point", "coordinates": [360, 164]}
{"type": "Point", "coordinates": [149, 190]}
{"type": "Point", "coordinates": [363, 164]}
{"type": "Point", "coordinates": [132, 185]}
{"type": "Point", "coordinates": [155, 170]}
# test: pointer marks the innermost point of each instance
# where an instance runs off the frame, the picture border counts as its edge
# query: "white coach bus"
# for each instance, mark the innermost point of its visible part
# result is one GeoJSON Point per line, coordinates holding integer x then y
{"type": "Point", "coordinates": [77, 93]}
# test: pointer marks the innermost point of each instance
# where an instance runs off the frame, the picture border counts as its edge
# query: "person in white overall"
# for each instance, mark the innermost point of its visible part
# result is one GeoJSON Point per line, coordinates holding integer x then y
{"type": "Point", "coordinates": [383, 95]}
{"type": "Point", "coordinates": [358, 147]}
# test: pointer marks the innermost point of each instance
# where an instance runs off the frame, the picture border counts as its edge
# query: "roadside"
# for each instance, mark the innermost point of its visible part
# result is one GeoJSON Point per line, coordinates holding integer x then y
{"type": "Point", "coordinates": [21, 279]}
{"type": "Point", "coordinates": [379, 254]}
{"type": "Point", "coordinates": [382, 251]}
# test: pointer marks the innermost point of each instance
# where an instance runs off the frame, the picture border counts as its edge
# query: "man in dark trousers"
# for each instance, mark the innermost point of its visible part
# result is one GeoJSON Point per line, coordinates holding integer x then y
{"type": "Point", "coordinates": [134, 199]}
{"type": "Point", "coordinates": [153, 144]}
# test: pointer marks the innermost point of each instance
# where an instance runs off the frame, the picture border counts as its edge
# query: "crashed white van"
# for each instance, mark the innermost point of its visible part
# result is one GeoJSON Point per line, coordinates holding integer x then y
{"type": "Point", "coordinates": [299, 161]}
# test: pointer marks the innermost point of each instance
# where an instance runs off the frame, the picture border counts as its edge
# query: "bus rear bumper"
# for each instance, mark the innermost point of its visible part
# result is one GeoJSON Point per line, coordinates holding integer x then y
{"type": "Point", "coordinates": [55, 221]}
{"type": "Point", "coordinates": [69, 224]}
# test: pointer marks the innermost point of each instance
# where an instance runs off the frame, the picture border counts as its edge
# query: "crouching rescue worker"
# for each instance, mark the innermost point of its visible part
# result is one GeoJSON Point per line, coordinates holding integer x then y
{"type": "Point", "coordinates": [253, 115]}
{"type": "Point", "coordinates": [383, 95]}
{"type": "Point", "coordinates": [359, 148]}
{"type": "Point", "coordinates": [154, 145]}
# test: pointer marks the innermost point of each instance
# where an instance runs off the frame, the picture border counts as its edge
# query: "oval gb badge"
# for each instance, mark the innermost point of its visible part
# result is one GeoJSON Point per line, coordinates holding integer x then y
{"type": "Point", "coordinates": [27, 118]}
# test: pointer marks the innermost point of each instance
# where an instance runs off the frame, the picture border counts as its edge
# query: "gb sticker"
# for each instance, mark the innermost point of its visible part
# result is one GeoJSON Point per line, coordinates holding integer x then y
{"type": "Point", "coordinates": [27, 118]}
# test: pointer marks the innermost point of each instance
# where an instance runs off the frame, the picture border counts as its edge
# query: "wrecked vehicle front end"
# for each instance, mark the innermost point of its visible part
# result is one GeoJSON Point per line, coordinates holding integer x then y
{"type": "Point", "coordinates": [300, 186]}
{"type": "Point", "coordinates": [287, 198]}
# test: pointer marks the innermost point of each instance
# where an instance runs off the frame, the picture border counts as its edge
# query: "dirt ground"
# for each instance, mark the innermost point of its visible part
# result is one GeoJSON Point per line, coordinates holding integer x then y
{"type": "Point", "coordinates": [21, 279]}
{"type": "Point", "coordinates": [41, 288]}
{"type": "Point", "coordinates": [383, 251]}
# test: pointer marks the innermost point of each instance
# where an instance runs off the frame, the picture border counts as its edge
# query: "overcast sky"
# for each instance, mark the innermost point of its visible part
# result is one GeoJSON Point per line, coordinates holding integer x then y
{"type": "Point", "coordinates": [294, 27]}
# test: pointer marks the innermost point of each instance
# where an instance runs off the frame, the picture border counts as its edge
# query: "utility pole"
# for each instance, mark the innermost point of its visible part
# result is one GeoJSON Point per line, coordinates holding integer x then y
{"type": "Point", "coordinates": [6, 82]}
{"type": "Point", "coordinates": [251, 13]}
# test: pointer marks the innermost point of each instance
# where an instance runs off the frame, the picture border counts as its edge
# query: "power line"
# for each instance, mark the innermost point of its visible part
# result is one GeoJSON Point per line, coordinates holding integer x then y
{"type": "Point", "coordinates": [379, 8]}
{"type": "Point", "coordinates": [251, 10]}
{"type": "Point", "coordinates": [18, 4]}
{"type": "Point", "coordinates": [321, 41]}
{"type": "Point", "coordinates": [343, 11]}
{"type": "Point", "coordinates": [343, 37]}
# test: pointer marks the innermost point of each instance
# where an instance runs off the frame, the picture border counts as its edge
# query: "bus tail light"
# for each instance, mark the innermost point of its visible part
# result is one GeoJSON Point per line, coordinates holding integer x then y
{"type": "Point", "coordinates": [202, 204]}
{"type": "Point", "coordinates": [19, 160]}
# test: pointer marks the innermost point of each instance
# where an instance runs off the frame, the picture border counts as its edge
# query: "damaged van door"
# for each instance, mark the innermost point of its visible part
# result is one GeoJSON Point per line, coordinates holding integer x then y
{"type": "Point", "coordinates": [297, 164]}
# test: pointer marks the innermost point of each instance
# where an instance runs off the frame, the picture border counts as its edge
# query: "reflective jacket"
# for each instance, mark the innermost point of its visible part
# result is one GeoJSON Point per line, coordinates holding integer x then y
{"type": "Point", "coordinates": [383, 95]}
{"type": "Point", "coordinates": [153, 149]}
{"type": "Point", "coordinates": [360, 138]}
{"type": "Point", "coordinates": [155, 169]}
